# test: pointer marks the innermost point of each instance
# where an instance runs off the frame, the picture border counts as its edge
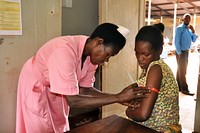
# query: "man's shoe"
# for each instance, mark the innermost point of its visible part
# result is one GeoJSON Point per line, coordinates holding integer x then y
{"type": "Point", "coordinates": [188, 93]}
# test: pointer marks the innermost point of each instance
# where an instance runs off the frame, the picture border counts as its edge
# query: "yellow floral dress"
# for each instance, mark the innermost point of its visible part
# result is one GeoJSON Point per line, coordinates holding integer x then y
{"type": "Point", "coordinates": [165, 114]}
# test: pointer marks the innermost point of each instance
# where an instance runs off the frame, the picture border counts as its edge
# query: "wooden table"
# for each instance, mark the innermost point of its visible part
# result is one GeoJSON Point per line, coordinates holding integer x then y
{"type": "Point", "coordinates": [112, 124]}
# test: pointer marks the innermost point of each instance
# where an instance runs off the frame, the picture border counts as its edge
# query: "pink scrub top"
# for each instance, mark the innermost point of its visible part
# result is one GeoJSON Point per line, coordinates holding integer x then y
{"type": "Point", "coordinates": [45, 80]}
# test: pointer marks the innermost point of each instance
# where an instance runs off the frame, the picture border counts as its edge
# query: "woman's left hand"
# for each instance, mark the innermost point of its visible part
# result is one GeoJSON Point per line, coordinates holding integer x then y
{"type": "Point", "coordinates": [132, 104]}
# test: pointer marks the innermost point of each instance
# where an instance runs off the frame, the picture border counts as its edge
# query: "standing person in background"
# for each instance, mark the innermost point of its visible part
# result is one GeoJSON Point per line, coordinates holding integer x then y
{"type": "Point", "coordinates": [61, 75]}
{"type": "Point", "coordinates": [160, 110]}
{"type": "Point", "coordinates": [185, 35]}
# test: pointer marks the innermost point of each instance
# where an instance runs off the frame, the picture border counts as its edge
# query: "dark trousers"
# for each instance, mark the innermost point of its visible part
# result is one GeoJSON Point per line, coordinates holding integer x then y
{"type": "Point", "coordinates": [182, 62]}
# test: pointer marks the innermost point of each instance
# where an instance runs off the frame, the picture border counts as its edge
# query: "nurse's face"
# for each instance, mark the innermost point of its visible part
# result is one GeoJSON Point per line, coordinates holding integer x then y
{"type": "Point", "coordinates": [101, 54]}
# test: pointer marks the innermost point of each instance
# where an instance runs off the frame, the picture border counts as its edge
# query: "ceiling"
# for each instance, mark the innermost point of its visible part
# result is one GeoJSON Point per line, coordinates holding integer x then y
{"type": "Point", "coordinates": [165, 8]}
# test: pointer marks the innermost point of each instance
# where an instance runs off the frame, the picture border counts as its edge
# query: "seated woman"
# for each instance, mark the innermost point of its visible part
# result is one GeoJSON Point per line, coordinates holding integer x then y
{"type": "Point", "coordinates": [160, 110]}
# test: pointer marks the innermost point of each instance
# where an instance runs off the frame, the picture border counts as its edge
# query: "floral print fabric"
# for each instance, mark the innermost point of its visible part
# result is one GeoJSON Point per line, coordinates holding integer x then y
{"type": "Point", "coordinates": [166, 109]}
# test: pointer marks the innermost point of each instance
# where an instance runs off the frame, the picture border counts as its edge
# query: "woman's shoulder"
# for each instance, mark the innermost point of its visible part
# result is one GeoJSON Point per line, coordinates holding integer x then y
{"type": "Point", "coordinates": [159, 62]}
{"type": "Point", "coordinates": [164, 67]}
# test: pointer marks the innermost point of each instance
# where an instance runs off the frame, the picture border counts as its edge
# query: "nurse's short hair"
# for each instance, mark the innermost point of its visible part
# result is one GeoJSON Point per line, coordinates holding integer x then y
{"type": "Point", "coordinates": [112, 37]}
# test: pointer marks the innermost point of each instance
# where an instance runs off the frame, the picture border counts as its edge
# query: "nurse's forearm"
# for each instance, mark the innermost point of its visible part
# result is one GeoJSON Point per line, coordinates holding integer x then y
{"type": "Point", "coordinates": [87, 101]}
{"type": "Point", "coordinates": [92, 91]}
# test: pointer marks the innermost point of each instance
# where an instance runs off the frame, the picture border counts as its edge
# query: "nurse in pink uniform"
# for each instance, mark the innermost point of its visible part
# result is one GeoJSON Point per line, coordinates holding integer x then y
{"type": "Point", "coordinates": [61, 75]}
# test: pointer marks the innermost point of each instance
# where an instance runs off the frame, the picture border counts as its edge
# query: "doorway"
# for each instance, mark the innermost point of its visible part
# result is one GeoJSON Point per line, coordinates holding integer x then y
{"type": "Point", "coordinates": [187, 103]}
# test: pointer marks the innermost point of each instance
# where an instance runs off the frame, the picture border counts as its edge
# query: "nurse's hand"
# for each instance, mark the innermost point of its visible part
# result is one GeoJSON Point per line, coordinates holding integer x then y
{"type": "Point", "coordinates": [131, 93]}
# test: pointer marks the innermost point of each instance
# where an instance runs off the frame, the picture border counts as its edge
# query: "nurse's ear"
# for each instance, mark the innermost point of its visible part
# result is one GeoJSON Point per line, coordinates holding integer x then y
{"type": "Point", "coordinates": [100, 41]}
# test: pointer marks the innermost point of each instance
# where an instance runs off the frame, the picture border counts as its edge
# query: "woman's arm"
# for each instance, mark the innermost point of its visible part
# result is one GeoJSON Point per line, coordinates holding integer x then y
{"type": "Point", "coordinates": [91, 98]}
{"type": "Point", "coordinates": [142, 113]}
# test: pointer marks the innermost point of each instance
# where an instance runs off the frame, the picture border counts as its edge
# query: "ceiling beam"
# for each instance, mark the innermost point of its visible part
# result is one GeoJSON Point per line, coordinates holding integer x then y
{"type": "Point", "coordinates": [178, 9]}
{"type": "Point", "coordinates": [161, 10]}
{"type": "Point", "coordinates": [195, 7]}
{"type": "Point", "coordinates": [158, 11]}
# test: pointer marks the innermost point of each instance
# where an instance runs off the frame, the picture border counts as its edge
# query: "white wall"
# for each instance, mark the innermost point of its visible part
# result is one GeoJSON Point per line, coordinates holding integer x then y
{"type": "Point", "coordinates": [39, 25]}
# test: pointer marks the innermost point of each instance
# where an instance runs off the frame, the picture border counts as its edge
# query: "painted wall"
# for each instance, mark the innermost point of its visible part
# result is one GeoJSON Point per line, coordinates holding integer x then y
{"type": "Point", "coordinates": [41, 21]}
{"type": "Point", "coordinates": [130, 14]}
{"type": "Point", "coordinates": [81, 18]}
{"type": "Point", "coordinates": [197, 110]}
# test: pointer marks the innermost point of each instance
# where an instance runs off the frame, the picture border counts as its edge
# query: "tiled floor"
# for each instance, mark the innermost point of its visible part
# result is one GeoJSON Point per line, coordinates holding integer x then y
{"type": "Point", "coordinates": [187, 103]}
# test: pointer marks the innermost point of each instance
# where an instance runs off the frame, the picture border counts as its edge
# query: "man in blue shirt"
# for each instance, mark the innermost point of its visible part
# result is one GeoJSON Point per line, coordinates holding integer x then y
{"type": "Point", "coordinates": [185, 35]}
